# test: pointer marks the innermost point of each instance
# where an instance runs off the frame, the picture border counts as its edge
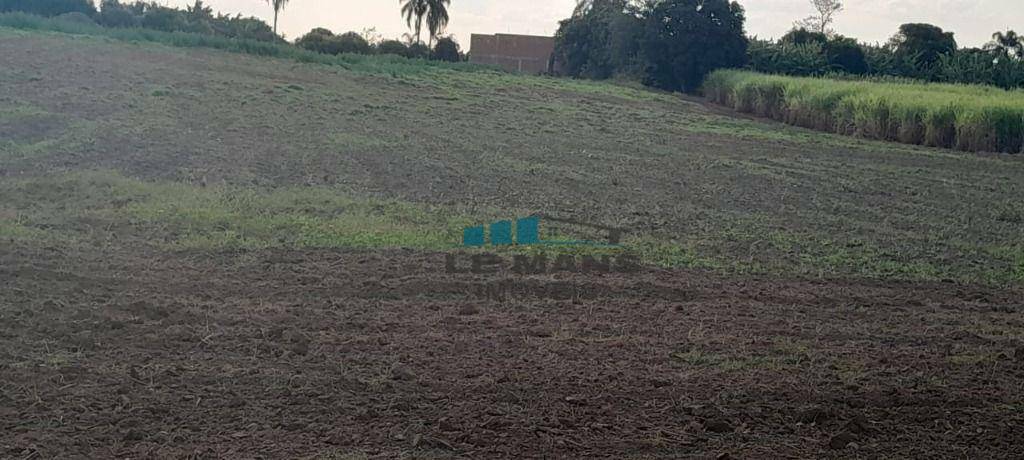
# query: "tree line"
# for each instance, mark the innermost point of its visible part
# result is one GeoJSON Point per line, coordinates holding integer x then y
{"type": "Point", "coordinates": [673, 44]}
{"type": "Point", "coordinates": [324, 41]}
{"type": "Point", "coordinates": [199, 18]}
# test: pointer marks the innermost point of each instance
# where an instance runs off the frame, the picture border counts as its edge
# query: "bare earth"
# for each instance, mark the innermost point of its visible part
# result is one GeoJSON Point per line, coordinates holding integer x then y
{"type": "Point", "coordinates": [316, 353]}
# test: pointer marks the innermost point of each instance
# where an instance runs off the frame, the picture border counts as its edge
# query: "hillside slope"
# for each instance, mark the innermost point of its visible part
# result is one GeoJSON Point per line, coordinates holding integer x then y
{"type": "Point", "coordinates": [698, 189]}
{"type": "Point", "coordinates": [208, 254]}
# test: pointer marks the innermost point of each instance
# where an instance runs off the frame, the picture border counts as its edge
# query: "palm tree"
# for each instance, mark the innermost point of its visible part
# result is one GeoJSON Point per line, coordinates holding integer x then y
{"type": "Point", "coordinates": [278, 6]}
{"type": "Point", "coordinates": [1008, 44]}
{"type": "Point", "coordinates": [437, 17]}
{"type": "Point", "coordinates": [415, 10]}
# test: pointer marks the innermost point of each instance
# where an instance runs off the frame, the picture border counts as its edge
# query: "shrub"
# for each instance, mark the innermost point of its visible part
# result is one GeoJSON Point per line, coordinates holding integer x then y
{"type": "Point", "coordinates": [324, 41]}
{"type": "Point", "coordinates": [77, 18]}
{"type": "Point", "coordinates": [165, 19]}
{"type": "Point", "coordinates": [419, 51]}
{"type": "Point", "coordinates": [244, 28]}
{"type": "Point", "coordinates": [318, 39]}
{"type": "Point", "coordinates": [197, 18]}
{"type": "Point", "coordinates": [381, 65]}
{"type": "Point", "coordinates": [352, 42]}
{"type": "Point", "coordinates": [446, 49]}
{"type": "Point", "coordinates": [113, 14]}
{"type": "Point", "coordinates": [394, 47]}
{"type": "Point", "coordinates": [48, 7]}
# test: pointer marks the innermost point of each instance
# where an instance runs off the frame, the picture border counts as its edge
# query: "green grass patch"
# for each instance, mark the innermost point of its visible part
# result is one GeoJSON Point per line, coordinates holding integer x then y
{"type": "Point", "coordinates": [183, 216]}
{"type": "Point", "coordinates": [103, 205]}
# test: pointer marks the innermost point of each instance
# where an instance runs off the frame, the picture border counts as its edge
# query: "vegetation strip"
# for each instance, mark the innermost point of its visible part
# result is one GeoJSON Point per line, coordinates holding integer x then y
{"type": "Point", "coordinates": [965, 117]}
{"type": "Point", "coordinates": [385, 64]}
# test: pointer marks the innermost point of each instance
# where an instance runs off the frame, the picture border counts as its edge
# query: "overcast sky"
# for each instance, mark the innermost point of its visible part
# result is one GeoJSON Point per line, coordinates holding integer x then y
{"type": "Point", "coordinates": [871, 21]}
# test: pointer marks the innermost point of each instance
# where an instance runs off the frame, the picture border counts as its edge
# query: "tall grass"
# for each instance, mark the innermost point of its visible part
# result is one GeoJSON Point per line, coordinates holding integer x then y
{"type": "Point", "coordinates": [387, 64]}
{"type": "Point", "coordinates": [966, 117]}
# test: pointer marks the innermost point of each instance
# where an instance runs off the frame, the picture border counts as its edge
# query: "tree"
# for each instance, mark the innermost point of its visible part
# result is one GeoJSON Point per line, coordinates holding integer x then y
{"type": "Point", "coordinates": [437, 17]}
{"type": "Point", "coordinates": [584, 6]}
{"type": "Point", "coordinates": [845, 55]}
{"type": "Point", "coordinates": [1007, 44]}
{"type": "Point", "coordinates": [827, 9]}
{"type": "Point", "coordinates": [684, 40]}
{"type": "Point", "coordinates": [414, 11]}
{"type": "Point", "coordinates": [581, 45]}
{"type": "Point", "coordinates": [923, 43]}
{"type": "Point", "coordinates": [278, 6]}
{"type": "Point", "coordinates": [601, 39]}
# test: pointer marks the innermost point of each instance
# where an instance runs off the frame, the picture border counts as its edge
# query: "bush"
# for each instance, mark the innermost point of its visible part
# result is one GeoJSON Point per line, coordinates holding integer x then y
{"type": "Point", "coordinates": [319, 40]}
{"type": "Point", "coordinates": [352, 42]}
{"type": "Point", "coordinates": [113, 14]}
{"type": "Point", "coordinates": [48, 8]}
{"type": "Point", "coordinates": [394, 47]}
{"type": "Point", "coordinates": [244, 28]}
{"type": "Point", "coordinates": [419, 51]}
{"type": "Point", "coordinates": [324, 41]}
{"type": "Point", "coordinates": [380, 65]}
{"type": "Point", "coordinates": [195, 19]}
{"type": "Point", "coordinates": [77, 18]}
{"type": "Point", "coordinates": [446, 49]}
{"type": "Point", "coordinates": [165, 19]}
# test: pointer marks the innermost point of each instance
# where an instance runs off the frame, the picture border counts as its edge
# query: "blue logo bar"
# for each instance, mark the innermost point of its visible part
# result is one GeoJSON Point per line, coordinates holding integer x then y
{"type": "Point", "coordinates": [527, 232]}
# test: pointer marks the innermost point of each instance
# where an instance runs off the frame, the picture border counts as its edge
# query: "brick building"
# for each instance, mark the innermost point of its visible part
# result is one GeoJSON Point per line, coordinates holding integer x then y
{"type": "Point", "coordinates": [529, 54]}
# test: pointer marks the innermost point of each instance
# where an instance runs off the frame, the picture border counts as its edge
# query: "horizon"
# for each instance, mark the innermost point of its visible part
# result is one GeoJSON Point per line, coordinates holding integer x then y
{"type": "Point", "coordinates": [868, 21]}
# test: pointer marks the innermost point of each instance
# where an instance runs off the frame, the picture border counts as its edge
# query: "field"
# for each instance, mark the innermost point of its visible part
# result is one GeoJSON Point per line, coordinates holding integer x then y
{"type": "Point", "coordinates": [213, 254]}
{"type": "Point", "coordinates": [964, 117]}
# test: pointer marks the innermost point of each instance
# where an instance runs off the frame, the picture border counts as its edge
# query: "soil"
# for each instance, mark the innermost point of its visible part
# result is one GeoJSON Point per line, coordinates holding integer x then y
{"type": "Point", "coordinates": [323, 354]}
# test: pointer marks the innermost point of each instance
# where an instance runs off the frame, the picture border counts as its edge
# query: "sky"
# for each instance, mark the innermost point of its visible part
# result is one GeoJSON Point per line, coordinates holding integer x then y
{"type": "Point", "coordinates": [871, 21]}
